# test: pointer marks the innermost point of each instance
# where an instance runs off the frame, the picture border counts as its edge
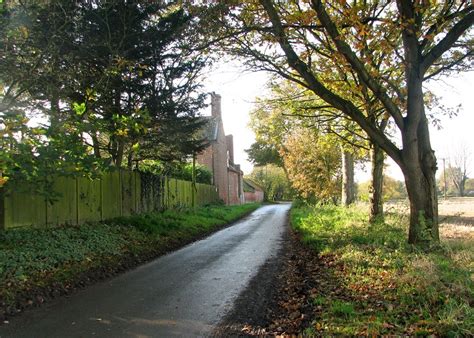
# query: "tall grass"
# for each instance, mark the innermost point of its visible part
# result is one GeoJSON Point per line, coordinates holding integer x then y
{"type": "Point", "coordinates": [394, 287]}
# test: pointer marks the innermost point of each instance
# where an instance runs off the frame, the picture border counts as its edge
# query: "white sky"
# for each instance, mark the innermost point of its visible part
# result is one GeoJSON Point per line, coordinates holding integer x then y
{"type": "Point", "coordinates": [239, 90]}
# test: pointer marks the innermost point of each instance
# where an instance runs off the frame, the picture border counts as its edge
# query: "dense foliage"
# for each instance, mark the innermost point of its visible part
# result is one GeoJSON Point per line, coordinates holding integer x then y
{"type": "Point", "coordinates": [182, 171]}
{"type": "Point", "coordinates": [273, 181]}
{"type": "Point", "coordinates": [314, 171]}
{"type": "Point", "coordinates": [84, 85]}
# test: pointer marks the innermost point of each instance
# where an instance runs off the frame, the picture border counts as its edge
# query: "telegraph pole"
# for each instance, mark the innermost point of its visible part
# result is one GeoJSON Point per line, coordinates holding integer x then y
{"type": "Point", "coordinates": [444, 176]}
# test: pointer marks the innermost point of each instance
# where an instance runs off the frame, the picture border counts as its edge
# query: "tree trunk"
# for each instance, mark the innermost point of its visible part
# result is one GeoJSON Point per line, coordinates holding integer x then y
{"type": "Point", "coordinates": [461, 190]}
{"type": "Point", "coordinates": [130, 160]}
{"type": "Point", "coordinates": [419, 167]}
{"type": "Point", "coordinates": [55, 121]}
{"type": "Point", "coordinates": [96, 145]}
{"type": "Point", "coordinates": [119, 156]}
{"type": "Point", "coordinates": [376, 186]}
{"type": "Point", "coordinates": [462, 184]}
{"type": "Point", "coordinates": [348, 195]}
{"type": "Point", "coordinates": [421, 187]}
{"type": "Point", "coordinates": [418, 161]}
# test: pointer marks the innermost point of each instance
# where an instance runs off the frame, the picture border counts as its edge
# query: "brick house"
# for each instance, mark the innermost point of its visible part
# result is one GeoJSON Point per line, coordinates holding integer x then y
{"type": "Point", "coordinates": [218, 157]}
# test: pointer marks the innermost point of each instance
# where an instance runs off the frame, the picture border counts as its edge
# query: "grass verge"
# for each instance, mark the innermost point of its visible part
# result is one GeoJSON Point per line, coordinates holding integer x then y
{"type": "Point", "coordinates": [376, 284]}
{"type": "Point", "coordinates": [37, 264]}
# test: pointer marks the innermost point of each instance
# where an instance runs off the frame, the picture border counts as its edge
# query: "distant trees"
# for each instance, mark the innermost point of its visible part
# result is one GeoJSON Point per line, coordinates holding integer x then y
{"type": "Point", "coordinates": [313, 163]}
{"type": "Point", "coordinates": [392, 189]}
{"type": "Point", "coordinates": [290, 124]}
{"type": "Point", "coordinates": [458, 177]}
{"type": "Point", "coordinates": [470, 186]}
{"type": "Point", "coordinates": [454, 175]}
{"type": "Point", "coordinates": [105, 82]}
{"type": "Point", "coordinates": [271, 128]}
{"type": "Point", "coordinates": [459, 172]}
{"type": "Point", "coordinates": [261, 153]}
{"type": "Point", "coordinates": [274, 182]}
{"type": "Point", "coordinates": [454, 180]}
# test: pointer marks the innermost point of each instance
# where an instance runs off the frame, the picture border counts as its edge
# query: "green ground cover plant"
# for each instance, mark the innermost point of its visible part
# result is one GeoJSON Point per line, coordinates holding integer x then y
{"type": "Point", "coordinates": [186, 221]}
{"type": "Point", "coordinates": [39, 263]}
{"type": "Point", "coordinates": [380, 284]}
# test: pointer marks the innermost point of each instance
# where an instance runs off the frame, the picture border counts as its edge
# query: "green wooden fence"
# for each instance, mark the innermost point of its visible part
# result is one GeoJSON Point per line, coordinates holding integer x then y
{"type": "Point", "coordinates": [118, 193]}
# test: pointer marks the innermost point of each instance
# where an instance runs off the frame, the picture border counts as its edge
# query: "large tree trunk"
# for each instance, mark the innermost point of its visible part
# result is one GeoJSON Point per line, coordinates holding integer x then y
{"type": "Point", "coordinates": [418, 161]}
{"type": "Point", "coordinates": [419, 166]}
{"type": "Point", "coordinates": [348, 195]}
{"type": "Point", "coordinates": [421, 187]}
{"type": "Point", "coordinates": [376, 185]}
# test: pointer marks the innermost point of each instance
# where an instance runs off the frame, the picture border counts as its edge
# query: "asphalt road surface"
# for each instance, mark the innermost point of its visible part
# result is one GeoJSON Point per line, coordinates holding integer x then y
{"type": "Point", "coordinates": [185, 293]}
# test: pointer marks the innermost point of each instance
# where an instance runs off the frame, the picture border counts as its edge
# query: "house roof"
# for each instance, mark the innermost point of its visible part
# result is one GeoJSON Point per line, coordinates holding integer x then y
{"type": "Point", "coordinates": [234, 169]}
{"type": "Point", "coordinates": [251, 186]}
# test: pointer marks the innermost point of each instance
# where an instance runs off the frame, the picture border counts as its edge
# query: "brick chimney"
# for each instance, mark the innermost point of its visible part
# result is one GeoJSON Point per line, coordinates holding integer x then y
{"type": "Point", "coordinates": [216, 105]}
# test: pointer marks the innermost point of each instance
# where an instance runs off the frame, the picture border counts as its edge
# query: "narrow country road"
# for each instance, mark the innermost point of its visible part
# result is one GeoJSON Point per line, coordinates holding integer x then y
{"type": "Point", "coordinates": [185, 293]}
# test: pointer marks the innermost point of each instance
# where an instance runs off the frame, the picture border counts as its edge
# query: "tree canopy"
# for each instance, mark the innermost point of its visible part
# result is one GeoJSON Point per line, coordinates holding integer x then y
{"type": "Point", "coordinates": [98, 83]}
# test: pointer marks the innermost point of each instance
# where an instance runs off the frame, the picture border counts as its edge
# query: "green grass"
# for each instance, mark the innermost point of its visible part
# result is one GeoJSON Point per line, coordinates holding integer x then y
{"type": "Point", "coordinates": [388, 286]}
{"type": "Point", "coordinates": [342, 309]}
{"type": "Point", "coordinates": [38, 258]}
{"type": "Point", "coordinates": [185, 222]}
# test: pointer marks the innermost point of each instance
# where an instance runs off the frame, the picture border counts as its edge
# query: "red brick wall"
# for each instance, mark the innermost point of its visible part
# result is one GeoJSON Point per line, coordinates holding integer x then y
{"type": "Point", "coordinates": [234, 181]}
{"type": "Point", "coordinates": [256, 196]}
